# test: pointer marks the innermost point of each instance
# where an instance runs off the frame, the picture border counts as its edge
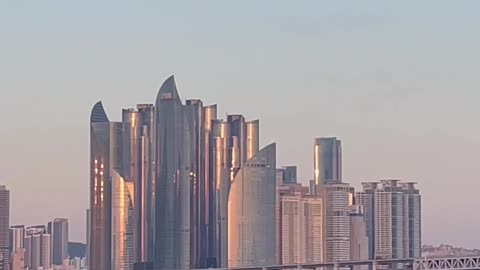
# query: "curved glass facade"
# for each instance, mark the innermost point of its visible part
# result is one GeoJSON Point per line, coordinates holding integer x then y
{"type": "Point", "coordinates": [122, 223]}
{"type": "Point", "coordinates": [161, 187]}
{"type": "Point", "coordinates": [327, 160]}
{"type": "Point", "coordinates": [220, 180]}
{"type": "Point", "coordinates": [251, 212]}
{"type": "Point", "coordinates": [210, 114]}
{"type": "Point", "coordinates": [172, 184]}
{"type": "Point", "coordinates": [111, 194]}
{"type": "Point", "coordinates": [100, 186]}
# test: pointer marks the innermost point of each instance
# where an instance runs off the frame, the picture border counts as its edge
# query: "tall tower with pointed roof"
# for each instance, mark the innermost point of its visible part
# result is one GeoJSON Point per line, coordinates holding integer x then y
{"type": "Point", "coordinates": [173, 180]}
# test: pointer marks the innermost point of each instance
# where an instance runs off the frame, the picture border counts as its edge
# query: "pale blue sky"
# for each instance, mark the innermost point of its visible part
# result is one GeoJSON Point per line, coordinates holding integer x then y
{"type": "Point", "coordinates": [396, 81]}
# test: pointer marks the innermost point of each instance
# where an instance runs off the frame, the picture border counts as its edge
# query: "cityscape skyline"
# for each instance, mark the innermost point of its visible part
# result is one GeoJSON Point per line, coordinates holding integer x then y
{"type": "Point", "coordinates": [215, 199]}
{"type": "Point", "coordinates": [401, 112]}
{"type": "Point", "coordinates": [316, 142]}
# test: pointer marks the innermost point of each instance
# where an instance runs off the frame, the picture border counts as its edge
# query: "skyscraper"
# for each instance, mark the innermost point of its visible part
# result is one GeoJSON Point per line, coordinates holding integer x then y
{"type": "Point", "coordinates": [138, 169]}
{"type": "Point", "coordinates": [194, 112]}
{"type": "Point", "coordinates": [286, 189]}
{"type": "Point", "coordinates": [102, 141]}
{"type": "Point", "coordinates": [38, 245]}
{"type": "Point", "coordinates": [167, 169]}
{"type": "Point", "coordinates": [173, 181]}
{"type": "Point", "coordinates": [238, 140]}
{"type": "Point", "coordinates": [4, 226]}
{"type": "Point", "coordinates": [338, 199]}
{"type": "Point", "coordinates": [327, 160]}
{"type": "Point", "coordinates": [413, 220]}
{"type": "Point", "coordinates": [302, 232]}
{"type": "Point", "coordinates": [17, 237]}
{"type": "Point", "coordinates": [58, 228]}
{"type": "Point", "coordinates": [365, 199]}
{"type": "Point", "coordinates": [224, 169]}
{"type": "Point", "coordinates": [208, 228]}
{"type": "Point", "coordinates": [191, 151]}
{"type": "Point", "coordinates": [122, 223]}
{"type": "Point", "coordinates": [252, 139]}
{"type": "Point", "coordinates": [278, 217]}
{"type": "Point", "coordinates": [46, 253]}
{"type": "Point", "coordinates": [147, 112]}
{"type": "Point", "coordinates": [358, 236]}
{"type": "Point", "coordinates": [251, 212]}
{"type": "Point", "coordinates": [393, 218]}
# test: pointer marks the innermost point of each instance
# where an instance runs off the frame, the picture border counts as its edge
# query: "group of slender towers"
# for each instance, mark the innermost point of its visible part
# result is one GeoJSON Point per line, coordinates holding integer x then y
{"type": "Point", "coordinates": [174, 187]}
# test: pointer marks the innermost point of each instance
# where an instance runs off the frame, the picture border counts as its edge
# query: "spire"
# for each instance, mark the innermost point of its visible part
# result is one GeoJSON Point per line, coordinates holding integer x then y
{"type": "Point", "coordinates": [98, 113]}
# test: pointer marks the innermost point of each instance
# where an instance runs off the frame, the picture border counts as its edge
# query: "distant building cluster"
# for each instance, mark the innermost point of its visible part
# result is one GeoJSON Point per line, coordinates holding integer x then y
{"type": "Point", "coordinates": [173, 186]}
{"type": "Point", "coordinates": [330, 222]}
{"type": "Point", "coordinates": [40, 246]}
{"type": "Point", "coordinates": [36, 247]}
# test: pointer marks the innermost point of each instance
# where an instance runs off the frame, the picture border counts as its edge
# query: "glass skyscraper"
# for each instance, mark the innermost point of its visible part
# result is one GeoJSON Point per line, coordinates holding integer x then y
{"type": "Point", "coordinates": [327, 160]}
{"type": "Point", "coordinates": [138, 168]}
{"type": "Point", "coordinates": [251, 212]}
{"type": "Point", "coordinates": [173, 181]}
{"type": "Point", "coordinates": [160, 183]}
{"type": "Point", "coordinates": [111, 195]}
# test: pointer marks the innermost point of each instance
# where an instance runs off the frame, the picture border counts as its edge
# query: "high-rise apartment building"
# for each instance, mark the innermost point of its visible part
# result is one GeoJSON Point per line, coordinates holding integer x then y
{"type": "Point", "coordinates": [302, 232]}
{"type": "Point", "coordinates": [393, 218]}
{"type": "Point", "coordinates": [413, 217]}
{"type": "Point", "coordinates": [38, 247]}
{"type": "Point", "coordinates": [58, 229]}
{"type": "Point", "coordinates": [46, 251]}
{"type": "Point", "coordinates": [17, 236]}
{"type": "Point", "coordinates": [251, 212]}
{"type": "Point", "coordinates": [327, 160]}
{"type": "Point", "coordinates": [365, 199]}
{"type": "Point", "coordinates": [358, 236]}
{"type": "Point", "coordinates": [338, 198]}
{"type": "Point", "coordinates": [4, 226]}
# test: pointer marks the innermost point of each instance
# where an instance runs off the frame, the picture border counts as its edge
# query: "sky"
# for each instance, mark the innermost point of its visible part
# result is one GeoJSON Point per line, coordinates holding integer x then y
{"type": "Point", "coordinates": [397, 82]}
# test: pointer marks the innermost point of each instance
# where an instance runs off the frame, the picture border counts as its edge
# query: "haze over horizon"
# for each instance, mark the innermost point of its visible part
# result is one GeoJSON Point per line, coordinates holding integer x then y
{"type": "Point", "coordinates": [397, 85]}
